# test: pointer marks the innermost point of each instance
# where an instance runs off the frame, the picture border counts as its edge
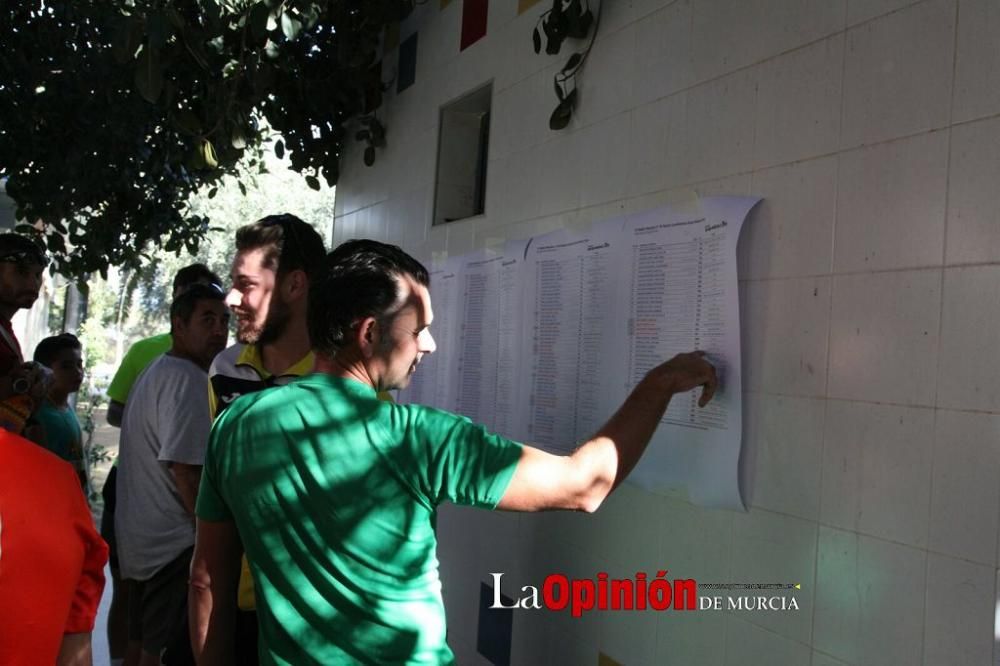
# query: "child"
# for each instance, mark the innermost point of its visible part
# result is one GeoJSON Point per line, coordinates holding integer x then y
{"type": "Point", "coordinates": [61, 354]}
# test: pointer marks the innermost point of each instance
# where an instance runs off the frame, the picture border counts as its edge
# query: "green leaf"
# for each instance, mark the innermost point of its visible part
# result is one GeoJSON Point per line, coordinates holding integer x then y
{"type": "Point", "coordinates": [127, 36]}
{"type": "Point", "coordinates": [312, 17]}
{"type": "Point", "coordinates": [218, 44]}
{"type": "Point", "coordinates": [312, 182]}
{"type": "Point", "coordinates": [56, 243]}
{"type": "Point", "coordinates": [208, 155]}
{"type": "Point", "coordinates": [536, 40]}
{"type": "Point", "coordinates": [188, 122]}
{"type": "Point", "coordinates": [148, 76]}
{"type": "Point", "coordinates": [561, 115]}
{"type": "Point", "coordinates": [259, 14]}
{"type": "Point", "coordinates": [157, 30]}
{"type": "Point", "coordinates": [573, 61]}
{"type": "Point", "coordinates": [290, 25]}
{"type": "Point", "coordinates": [243, 188]}
{"type": "Point", "coordinates": [279, 149]}
{"type": "Point", "coordinates": [559, 91]}
{"type": "Point", "coordinates": [238, 139]}
{"type": "Point", "coordinates": [212, 192]}
{"type": "Point", "coordinates": [175, 18]}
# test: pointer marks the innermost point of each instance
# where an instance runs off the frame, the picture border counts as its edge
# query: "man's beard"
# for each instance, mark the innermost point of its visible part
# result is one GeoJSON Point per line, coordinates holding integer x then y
{"type": "Point", "coordinates": [278, 317]}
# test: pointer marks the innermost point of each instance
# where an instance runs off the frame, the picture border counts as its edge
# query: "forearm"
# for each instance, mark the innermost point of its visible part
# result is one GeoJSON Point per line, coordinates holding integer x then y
{"type": "Point", "coordinates": [188, 477]}
{"type": "Point", "coordinates": [607, 459]}
{"type": "Point", "coordinates": [582, 480]}
{"type": "Point", "coordinates": [215, 575]}
{"type": "Point", "coordinates": [75, 650]}
{"type": "Point", "coordinates": [212, 622]}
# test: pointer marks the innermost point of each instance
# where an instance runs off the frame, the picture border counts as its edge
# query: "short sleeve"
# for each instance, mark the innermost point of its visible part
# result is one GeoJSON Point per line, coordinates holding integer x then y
{"type": "Point", "coordinates": [125, 376]}
{"type": "Point", "coordinates": [210, 505]}
{"type": "Point", "coordinates": [184, 421]}
{"type": "Point", "coordinates": [90, 586]}
{"type": "Point", "coordinates": [459, 461]}
{"type": "Point", "coordinates": [213, 400]}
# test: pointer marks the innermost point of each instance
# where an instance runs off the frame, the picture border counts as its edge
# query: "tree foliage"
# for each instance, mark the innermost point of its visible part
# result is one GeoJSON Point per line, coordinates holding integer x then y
{"type": "Point", "coordinates": [114, 112]}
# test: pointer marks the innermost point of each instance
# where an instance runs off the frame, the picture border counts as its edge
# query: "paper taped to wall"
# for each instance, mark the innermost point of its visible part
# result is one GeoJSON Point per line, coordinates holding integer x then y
{"type": "Point", "coordinates": [543, 340]}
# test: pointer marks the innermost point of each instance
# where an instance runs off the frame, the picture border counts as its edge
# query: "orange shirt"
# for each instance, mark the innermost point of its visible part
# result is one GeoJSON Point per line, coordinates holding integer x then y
{"type": "Point", "coordinates": [51, 557]}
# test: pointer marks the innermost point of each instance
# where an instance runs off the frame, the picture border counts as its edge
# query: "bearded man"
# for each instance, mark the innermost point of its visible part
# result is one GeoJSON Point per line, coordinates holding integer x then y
{"type": "Point", "coordinates": [275, 258]}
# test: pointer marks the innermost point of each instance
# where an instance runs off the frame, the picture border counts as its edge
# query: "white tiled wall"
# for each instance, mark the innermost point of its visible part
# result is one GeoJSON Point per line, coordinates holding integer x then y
{"type": "Point", "coordinates": [870, 296]}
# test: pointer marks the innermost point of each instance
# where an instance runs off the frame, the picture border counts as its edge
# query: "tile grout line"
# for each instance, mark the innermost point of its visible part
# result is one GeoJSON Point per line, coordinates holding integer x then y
{"type": "Point", "coordinates": [940, 332]}
{"type": "Point", "coordinates": [829, 344]}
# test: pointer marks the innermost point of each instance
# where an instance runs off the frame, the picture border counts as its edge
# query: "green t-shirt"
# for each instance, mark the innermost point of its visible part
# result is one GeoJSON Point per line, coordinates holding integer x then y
{"type": "Point", "coordinates": [334, 493]}
{"type": "Point", "coordinates": [62, 431]}
{"type": "Point", "coordinates": [135, 361]}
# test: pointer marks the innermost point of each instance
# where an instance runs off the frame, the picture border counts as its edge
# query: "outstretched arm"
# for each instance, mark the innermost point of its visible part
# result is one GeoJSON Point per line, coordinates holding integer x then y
{"type": "Point", "coordinates": [215, 574]}
{"type": "Point", "coordinates": [583, 480]}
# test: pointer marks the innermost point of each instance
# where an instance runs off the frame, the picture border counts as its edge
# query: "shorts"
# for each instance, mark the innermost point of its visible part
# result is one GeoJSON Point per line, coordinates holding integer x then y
{"type": "Point", "coordinates": [157, 610]}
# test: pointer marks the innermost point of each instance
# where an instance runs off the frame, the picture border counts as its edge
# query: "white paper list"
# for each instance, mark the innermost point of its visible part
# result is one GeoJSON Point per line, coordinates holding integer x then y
{"type": "Point", "coordinates": [478, 338]}
{"type": "Point", "coordinates": [510, 342]}
{"type": "Point", "coordinates": [569, 288]}
{"type": "Point", "coordinates": [683, 297]}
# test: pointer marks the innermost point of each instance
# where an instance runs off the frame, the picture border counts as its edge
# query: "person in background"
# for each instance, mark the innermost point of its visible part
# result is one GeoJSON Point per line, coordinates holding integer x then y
{"type": "Point", "coordinates": [274, 263]}
{"type": "Point", "coordinates": [139, 355]}
{"type": "Point", "coordinates": [22, 385]}
{"type": "Point", "coordinates": [164, 434]}
{"type": "Point", "coordinates": [51, 559]}
{"type": "Point", "coordinates": [62, 355]}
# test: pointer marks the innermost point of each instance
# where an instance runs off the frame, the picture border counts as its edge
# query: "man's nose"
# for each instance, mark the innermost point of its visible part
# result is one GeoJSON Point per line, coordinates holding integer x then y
{"type": "Point", "coordinates": [427, 346]}
{"type": "Point", "coordinates": [233, 298]}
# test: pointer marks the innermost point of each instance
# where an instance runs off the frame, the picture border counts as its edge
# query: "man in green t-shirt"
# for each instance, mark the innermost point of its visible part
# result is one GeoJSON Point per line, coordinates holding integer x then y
{"type": "Point", "coordinates": [335, 492]}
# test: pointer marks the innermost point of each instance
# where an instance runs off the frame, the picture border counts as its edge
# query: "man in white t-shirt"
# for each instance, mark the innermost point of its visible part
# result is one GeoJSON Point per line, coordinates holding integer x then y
{"type": "Point", "coordinates": [165, 430]}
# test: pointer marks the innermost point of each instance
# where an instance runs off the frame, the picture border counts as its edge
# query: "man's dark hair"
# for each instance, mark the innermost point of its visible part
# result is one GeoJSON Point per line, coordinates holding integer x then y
{"type": "Point", "coordinates": [21, 249]}
{"type": "Point", "coordinates": [186, 302]}
{"type": "Point", "coordinates": [49, 348]}
{"type": "Point", "coordinates": [360, 279]}
{"type": "Point", "coordinates": [194, 274]}
{"type": "Point", "coordinates": [289, 243]}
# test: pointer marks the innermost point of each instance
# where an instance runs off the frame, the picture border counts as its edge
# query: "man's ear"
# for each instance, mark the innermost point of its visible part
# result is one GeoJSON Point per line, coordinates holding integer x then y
{"type": "Point", "coordinates": [175, 324]}
{"type": "Point", "coordinates": [295, 285]}
{"type": "Point", "coordinates": [367, 336]}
